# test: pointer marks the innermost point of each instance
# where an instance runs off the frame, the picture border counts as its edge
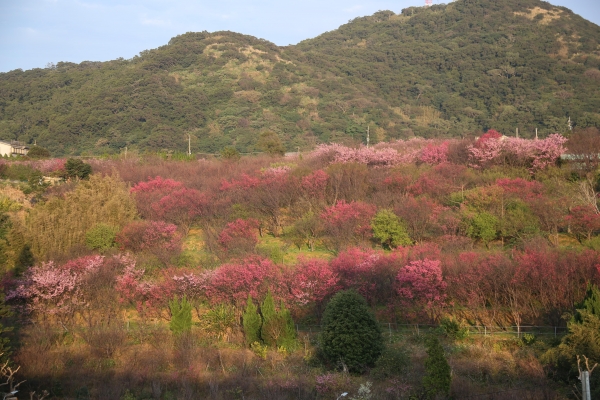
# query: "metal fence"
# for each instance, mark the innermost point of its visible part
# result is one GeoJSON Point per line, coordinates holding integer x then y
{"type": "Point", "coordinates": [483, 330]}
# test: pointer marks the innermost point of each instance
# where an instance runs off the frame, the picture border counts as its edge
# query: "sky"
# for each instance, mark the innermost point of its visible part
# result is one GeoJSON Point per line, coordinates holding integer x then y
{"type": "Point", "coordinates": [34, 33]}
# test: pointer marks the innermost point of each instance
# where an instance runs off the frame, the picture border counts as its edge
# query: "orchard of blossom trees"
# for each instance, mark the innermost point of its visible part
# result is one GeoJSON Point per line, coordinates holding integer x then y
{"type": "Point", "coordinates": [492, 231]}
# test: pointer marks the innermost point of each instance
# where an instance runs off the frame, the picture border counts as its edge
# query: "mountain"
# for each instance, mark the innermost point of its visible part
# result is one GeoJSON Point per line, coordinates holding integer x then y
{"type": "Point", "coordinates": [445, 70]}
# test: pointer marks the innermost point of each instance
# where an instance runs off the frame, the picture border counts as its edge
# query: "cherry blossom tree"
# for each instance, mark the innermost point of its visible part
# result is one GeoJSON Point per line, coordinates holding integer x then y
{"type": "Point", "coordinates": [312, 282]}
{"type": "Point", "coordinates": [348, 223]}
{"type": "Point", "coordinates": [154, 237]}
{"type": "Point", "coordinates": [434, 154]}
{"type": "Point", "coordinates": [584, 221]}
{"type": "Point", "coordinates": [421, 286]}
{"type": "Point", "coordinates": [231, 283]}
{"type": "Point", "coordinates": [54, 292]}
{"type": "Point", "coordinates": [239, 236]}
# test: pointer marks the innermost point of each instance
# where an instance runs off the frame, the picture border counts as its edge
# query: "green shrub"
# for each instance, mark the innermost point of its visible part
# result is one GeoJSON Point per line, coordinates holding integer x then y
{"type": "Point", "coordinates": [528, 339]}
{"type": "Point", "coordinates": [389, 230]}
{"type": "Point", "coordinates": [181, 316]}
{"type": "Point", "coordinates": [219, 320]}
{"type": "Point", "coordinates": [453, 329]}
{"type": "Point", "coordinates": [392, 362]}
{"type": "Point", "coordinates": [259, 349]}
{"type": "Point", "coordinates": [19, 172]}
{"type": "Point", "coordinates": [351, 335]}
{"type": "Point", "coordinates": [251, 322]}
{"type": "Point", "coordinates": [77, 169]}
{"type": "Point", "coordinates": [230, 153]}
{"type": "Point", "coordinates": [38, 152]}
{"type": "Point", "coordinates": [438, 375]}
{"type": "Point", "coordinates": [277, 328]}
{"type": "Point", "coordinates": [101, 237]}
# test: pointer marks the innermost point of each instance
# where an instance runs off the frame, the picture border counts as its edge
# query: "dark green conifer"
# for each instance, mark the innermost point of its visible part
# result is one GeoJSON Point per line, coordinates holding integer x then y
{"type": "Point", "coordinates": [438, 375]}
{"type": "Point", "coordinates": [251, 322]}
{"type": "Point", "coordinates": [351, 336]}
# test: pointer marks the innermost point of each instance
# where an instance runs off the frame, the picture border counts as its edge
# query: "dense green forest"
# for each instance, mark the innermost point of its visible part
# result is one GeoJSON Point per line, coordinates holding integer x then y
{"type": "Point", "coordinates": [446, 70]}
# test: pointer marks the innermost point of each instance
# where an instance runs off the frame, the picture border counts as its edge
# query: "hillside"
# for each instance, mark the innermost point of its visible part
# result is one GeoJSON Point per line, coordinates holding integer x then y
{"type": "Point", "coordinates": [447, 70]}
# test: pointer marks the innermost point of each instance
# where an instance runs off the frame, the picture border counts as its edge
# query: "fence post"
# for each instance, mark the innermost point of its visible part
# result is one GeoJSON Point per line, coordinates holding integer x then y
{"type": "Point", "coordinates": [554, 332]}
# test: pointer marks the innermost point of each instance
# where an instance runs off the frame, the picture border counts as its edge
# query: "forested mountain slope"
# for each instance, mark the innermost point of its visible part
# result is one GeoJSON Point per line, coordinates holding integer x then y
{"type": "Point", "coordinates": [478, 63]}
{"type": "Point", "coordinates": [446, 70]}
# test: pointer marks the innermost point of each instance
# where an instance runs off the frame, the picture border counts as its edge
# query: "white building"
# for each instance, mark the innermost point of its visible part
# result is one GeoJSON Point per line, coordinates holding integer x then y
{"type": "Point", "coordinates": [13, 148]}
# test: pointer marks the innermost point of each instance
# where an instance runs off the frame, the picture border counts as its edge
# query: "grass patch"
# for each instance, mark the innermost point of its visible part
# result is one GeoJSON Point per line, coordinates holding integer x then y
{"type": "Point", "coordinates": [281, 252]}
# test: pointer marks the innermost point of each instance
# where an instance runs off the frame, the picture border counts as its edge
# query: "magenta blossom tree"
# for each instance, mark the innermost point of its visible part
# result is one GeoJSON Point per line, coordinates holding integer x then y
{"type": "Point", "coordinates": [421, 286]}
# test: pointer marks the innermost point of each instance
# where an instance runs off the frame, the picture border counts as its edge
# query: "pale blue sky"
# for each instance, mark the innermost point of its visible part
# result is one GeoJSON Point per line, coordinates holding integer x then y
{"type": "Point", "coordinates": [36, 32]}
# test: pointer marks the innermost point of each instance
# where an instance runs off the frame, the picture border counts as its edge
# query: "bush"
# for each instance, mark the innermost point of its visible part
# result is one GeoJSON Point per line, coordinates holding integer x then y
{"type": "Point", "coordinates": [277, 328]}
{"type": "Point", "coordinates": [389, 230]}
{"type": "Point", "coordinates": [181, 316]}
{"type": "Point", "coordinates": [351, 335]}
{"type": "Point", "coordinates": [392, 362]}
{"type": "Point", "coordinates": [438, 375]}
{"type": "Point", "coordinates": [453, 329]}
{"type": "Point", "coordinates": [77, 169]}
{"type": "Point", "coordinates": [101, 237]}
{"type": "Point", "coordinates": [219, 321]}
{"type": "Point", "coordinates": [38, 152]}
{"type": "Point", "coordinates": [251, 322]}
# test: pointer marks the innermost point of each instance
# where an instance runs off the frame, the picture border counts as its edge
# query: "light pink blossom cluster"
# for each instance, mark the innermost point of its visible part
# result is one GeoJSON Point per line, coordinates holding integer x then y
{"type": "Point", "coordinates": [50, 165]}
{"type": "Point", "coordinates": [384, 154]}
{"type": "Point", "coordinates": [55, 290]}
{"type": "Point", "coordinates": [277, 171]}
{"type": "Point", "coordinates": [384, 157]}
{"type": "Point", "coordinates": [434, 154]}
{"type": "Point", "coordinates": [535, 154]}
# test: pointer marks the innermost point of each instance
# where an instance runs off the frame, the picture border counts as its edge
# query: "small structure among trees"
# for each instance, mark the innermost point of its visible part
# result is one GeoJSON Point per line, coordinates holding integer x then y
{"type": "Point", "coordinates": [13, 148]}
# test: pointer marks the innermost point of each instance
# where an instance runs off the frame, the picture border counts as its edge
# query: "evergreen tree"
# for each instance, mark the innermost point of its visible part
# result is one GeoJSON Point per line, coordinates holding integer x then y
{"type": "Point", "coordinates": [5, 312]}
{"type": "Point", "coordinates": [277, 328]}
{"type": "Point", "coordinates": [288, 338]}
{"type": "Point", "coordinates": [181, 316]}
{"type": "Point", "coordinates": [270, 143]}
{"type": "Point", "coordinates": [590, 304]}
{"type": "Point", "coordinates": [77, 169]}
{"type": "Point", "coordinates": [583, 339]}
{"type": "Point", "coordinates": [38, 152]}
{"type": "Point", "coordinates": [24, 260]}
{"type": "Point", "coordinates": [437, 370]}
{"type": "Point", "coordinates": [351, 334]}
{"type": "Point", "coordinates": [251, 322]}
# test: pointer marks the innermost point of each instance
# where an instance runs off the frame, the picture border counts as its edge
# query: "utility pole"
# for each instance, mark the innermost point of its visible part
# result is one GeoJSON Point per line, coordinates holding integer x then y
{"type": "Point", "coordinates": [570, 125]}
{"type": "Point", "coordinates": [189, 145]}
{"type": "Point", "coordinates": [368, 136]}
{"type": "Point", "coordinates": [536, 136]}
{"type": "Point", "coordinates": [517, 133]}
{"type": "Point", "coordinates": [584, 377]}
